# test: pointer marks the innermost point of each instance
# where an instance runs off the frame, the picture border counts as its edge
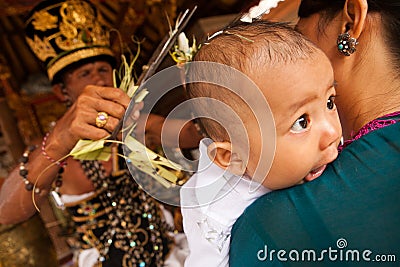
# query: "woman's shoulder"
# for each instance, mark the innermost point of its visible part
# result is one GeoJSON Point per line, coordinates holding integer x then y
{"type": "Point", "coordinates": [374, 155]}
{"type": "Point", "coordinates": [356, 198]}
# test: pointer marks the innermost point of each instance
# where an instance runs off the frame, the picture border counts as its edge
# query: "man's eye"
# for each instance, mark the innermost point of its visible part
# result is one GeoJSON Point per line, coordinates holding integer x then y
{"type": "Point", "coordinates": [330, 104]}
{"type": "Point", "coordinates": [301, 124]}
{"type": "Point", "coordinates": [84, 74]}
{"type": "Point", "coordinates": [104, 69]}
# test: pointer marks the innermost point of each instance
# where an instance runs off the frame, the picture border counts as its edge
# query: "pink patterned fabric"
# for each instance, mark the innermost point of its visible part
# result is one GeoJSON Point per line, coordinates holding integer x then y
{"type": "Point", "coordinates": [372, 126]}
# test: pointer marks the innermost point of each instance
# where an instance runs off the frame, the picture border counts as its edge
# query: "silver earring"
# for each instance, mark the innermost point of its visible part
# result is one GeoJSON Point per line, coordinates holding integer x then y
{"type": "Point", "coordinates": [346, 44]}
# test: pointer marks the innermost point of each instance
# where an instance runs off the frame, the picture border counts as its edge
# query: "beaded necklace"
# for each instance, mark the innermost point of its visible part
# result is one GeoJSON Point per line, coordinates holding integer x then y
{"type": "Point", "coordinates": [372, 126]}
{"type": "Point", "coordinates": [121, 221]}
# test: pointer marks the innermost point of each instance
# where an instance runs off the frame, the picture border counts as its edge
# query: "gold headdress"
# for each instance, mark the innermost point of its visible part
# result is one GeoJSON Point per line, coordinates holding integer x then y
{"type": "Point", "coordinates": [61, 33]}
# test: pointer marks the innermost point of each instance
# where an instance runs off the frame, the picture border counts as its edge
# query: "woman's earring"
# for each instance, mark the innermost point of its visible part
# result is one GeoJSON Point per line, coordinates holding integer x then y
{"type": "Point", "coordinates": [346, 44]}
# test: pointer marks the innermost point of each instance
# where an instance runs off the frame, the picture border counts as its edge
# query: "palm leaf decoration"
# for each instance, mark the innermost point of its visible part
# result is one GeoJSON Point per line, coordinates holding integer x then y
{"type": "Point", "coordinates": [144, 159]}
{"type": "Point", "coordinates": [97, 149]}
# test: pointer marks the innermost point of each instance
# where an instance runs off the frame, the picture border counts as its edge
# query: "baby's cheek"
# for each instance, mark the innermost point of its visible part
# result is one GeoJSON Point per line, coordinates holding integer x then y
{"type": "Point", "coordinates": [281, 177]}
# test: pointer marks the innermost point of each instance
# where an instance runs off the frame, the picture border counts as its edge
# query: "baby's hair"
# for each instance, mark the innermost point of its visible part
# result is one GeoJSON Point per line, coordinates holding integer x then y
{"type": "Point", "coordinates": [246, 47]}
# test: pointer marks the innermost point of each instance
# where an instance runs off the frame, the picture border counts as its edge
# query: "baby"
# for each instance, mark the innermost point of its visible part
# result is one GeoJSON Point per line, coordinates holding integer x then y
{"type": "Point", "coordinates": [296, 79]}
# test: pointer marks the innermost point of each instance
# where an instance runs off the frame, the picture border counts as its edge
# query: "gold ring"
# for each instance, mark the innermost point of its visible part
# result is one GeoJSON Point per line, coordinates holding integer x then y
{"type": "Point", "coordinates": [101, 119]}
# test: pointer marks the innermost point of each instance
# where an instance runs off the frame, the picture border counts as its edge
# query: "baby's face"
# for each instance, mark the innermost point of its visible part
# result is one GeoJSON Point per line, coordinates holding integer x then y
{"type": "Point", "coordinates": [308, 131]}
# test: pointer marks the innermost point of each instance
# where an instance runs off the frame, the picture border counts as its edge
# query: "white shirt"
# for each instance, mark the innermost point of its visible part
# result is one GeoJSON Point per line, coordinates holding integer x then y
{"type": "Point", "coordinates": [211, 202]}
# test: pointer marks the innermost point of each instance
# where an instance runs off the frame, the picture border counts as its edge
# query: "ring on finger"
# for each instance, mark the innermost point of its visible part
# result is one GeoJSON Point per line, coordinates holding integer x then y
{"type": "Point", "coordinates": [101, 119]}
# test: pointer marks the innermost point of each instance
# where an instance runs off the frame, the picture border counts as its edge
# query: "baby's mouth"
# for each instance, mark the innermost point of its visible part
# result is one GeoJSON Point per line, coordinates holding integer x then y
{"type": "Point", "coordinates": [315, 173]}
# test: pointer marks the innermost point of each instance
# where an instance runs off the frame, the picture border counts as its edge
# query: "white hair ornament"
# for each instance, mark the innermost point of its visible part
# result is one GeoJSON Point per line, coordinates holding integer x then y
{"type": "Point", "coordinates": [255, 12]}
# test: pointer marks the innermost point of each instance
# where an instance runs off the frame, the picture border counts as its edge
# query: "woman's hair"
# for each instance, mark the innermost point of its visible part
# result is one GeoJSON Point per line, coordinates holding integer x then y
{"type": "Point", "coordinates": [388, 9]}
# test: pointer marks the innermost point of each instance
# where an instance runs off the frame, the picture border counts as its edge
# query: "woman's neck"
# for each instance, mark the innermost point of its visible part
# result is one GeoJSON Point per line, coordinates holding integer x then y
{"type": "Point", "coordinates": [369, 98]}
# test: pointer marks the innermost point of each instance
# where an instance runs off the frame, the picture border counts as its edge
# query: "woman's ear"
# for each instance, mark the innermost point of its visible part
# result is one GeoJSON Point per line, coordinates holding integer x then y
{"type": "Point", "coordinates": [222, 155]}
{"type": "Point", "coordinates": [355, 14]}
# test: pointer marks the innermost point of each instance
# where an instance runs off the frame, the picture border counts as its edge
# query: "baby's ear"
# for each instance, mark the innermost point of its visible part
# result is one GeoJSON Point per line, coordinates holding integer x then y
{"type": "Point", "coordinates": [222, 155]}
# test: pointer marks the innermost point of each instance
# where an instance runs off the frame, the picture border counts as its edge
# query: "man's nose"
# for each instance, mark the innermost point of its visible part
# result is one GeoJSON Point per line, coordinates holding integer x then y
{"type": "Point", "coordinates": [98, 78]}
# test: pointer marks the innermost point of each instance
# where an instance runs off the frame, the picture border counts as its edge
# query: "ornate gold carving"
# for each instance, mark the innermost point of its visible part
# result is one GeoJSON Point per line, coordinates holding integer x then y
{"type": "Point", "coordinates": [43, 21]}
{"type": "Point", "coordinates": [41, 48]}
{"type": "Point", "coordinates": [79, 27]}
{"type": "Point", "coordinates": [26, 244]}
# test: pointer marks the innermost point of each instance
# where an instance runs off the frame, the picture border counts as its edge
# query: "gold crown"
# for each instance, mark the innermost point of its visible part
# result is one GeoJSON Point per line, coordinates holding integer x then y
{"type": "Point", "coordinates": [64, 32]}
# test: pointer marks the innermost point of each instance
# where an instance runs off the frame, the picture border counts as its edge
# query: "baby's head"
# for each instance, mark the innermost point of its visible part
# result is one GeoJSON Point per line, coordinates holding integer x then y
{"type": "Point", "coordinates": [296, 79]}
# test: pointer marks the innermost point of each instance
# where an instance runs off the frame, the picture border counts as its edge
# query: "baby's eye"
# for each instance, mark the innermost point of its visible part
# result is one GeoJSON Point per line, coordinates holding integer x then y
{"type": "Point", "coordinates": [301, 124]}
{"type": "Point", "coordinates": [330, 104]}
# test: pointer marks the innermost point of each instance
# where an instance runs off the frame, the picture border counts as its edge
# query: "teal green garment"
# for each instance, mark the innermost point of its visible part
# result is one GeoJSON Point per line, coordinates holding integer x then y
{"type": "Point", "coordinates": [355, 201]}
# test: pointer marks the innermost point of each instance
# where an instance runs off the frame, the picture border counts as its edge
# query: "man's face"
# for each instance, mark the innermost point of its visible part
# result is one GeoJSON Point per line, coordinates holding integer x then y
{"type": "Point", "coordinates": [97, 73]}
{"type": "Point", "coordinates": [308, 131]}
